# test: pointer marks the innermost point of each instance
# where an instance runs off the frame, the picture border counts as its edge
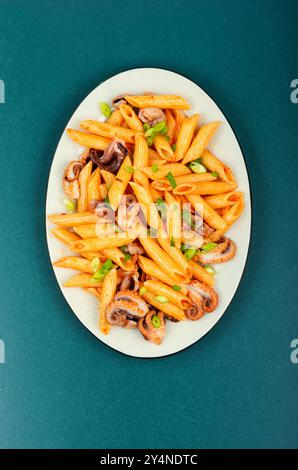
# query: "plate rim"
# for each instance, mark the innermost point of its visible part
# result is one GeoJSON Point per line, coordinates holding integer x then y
{"type": "Point", "coordinates": [250, 221]}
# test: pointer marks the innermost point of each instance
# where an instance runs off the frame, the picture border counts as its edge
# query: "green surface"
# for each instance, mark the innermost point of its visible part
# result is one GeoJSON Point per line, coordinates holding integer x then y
{"type": "Point", "coordinates": [60, 387]}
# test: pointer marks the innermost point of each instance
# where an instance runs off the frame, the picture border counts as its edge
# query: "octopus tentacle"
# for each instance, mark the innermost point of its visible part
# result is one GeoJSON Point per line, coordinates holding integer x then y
{"type": "Point", "coordinates": [123, 313]}
{"type": "Point", "coordinates": [151, 330]}
{"type": "Point", "coordinates": [204, 297]}
{"type": "Point", "coordinates": [223, 252]}
{"type": "Point", "coordinates": [135, 300]}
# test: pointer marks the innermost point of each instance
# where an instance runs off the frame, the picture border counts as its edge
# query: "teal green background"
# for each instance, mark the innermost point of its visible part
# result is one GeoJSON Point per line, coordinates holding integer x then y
{"type": "Point", "coordinates": [60, 386]}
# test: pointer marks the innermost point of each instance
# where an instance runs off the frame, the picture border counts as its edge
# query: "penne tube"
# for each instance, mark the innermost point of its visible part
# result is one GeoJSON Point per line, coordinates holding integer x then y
{"type": "Point", "coordinates": [163, 148]}
{"type": "Point", "coordinates": [82, 280]}
{"type": "Point", "coordinates": [184, 183]}
{"type": "Point", "coordinates": [117, 256]}
{"type": "Point", "coordinates": [93, 244]}
{"type": "Point", "coordinates": [179, 118]}
{"type": "Point", "coordinates": [140, 160]}
{"type": "Point", "coordinates": [103, 191]}
{"type": "Point", "coordinates": [107, 294]}
{"type": "Point", "coordinates": [95, 230]}
{"type": "Point", "coordinates": [109, 130]}
{"type": "Point", "coordinates": [152, 154]}
{"type": "Point", "coordinates": [220, 201]}
{"type": "Point", "coordinates": [175, 297]}
{"type": "Point", "coordinates": [154, 193]}
{"type": "Point", "coordinates": [176, 255]}
{"type": "Point", "coordinates": [148, 207]}
{"type": "Point", "coordinates": [173, 219]}
{"type": "Point", "coordinates": [201, 141]}
{"type": "Point", "coordinates": [84, 181]}
{"type": "Point", "coordinates": [161, 185]}
{"type": "Point", "coordinates": [213, 164]}
{"type": "Point", "coordinates": [130, 117]}
{"type": "Point", "coordinates": [108, 177]}
{"type": "Point", "coordinates": [115, 193]}
{"type": "Point", "coordinates": [116, 118]}
{"type": "Point", "coordinates": [175, 168]}
{"type": "Point", "coordinates": [74, 262]}
{"type": "Point", "coordinates": [162, 258]}
{"type": "Point", "coordinates": [156, 161]}
{"type": "Point", "coordinates": [125, 171]}
{"type": "Point", "coordinates": [185, 136]}
{"type": "Point", "coordinates": [67, 237]}
{"type": "Point", "coordinates": [88, 140]}
{"type": "Point", "coordinates": [200, 273]}
{"type": "Point", "coordinates": [207, 212]}
{"type": "Point", "coordinates": [154, 270]}
{"type": "Point", "coordinates": [230, 215]}
{"type": "Point", "coordinates": [93, 192]}
{"type": "Point", "coordinates": [95, 291]}
{"type": "Point", "coordinates": [158, 101]}
{"type": "Point", "coordinates": [77, 218]}
{"type": "Point", "coordinates": [169, 309]}
{"type": "Point", "coordinates": [171, 125]}
{"type": "Point", "coordinates": [211, 187]}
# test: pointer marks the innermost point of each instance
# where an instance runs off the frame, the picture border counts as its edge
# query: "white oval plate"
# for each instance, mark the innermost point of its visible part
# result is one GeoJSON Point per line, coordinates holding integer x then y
{"type": "Point", "coordinates": [225, 146]}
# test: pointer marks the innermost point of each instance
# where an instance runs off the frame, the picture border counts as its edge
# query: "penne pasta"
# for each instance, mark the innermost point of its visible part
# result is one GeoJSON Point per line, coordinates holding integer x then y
{"type": "Point", "coordinates": [140, 160]}
{"type": "Point", "coordinates": [84, 180]}
{"type": "Point", "coordinates": [148, 207]}
{"type": "Point", "coordinates": [109, 130]}
{"type": "Point", "coordinates": [153, 269]}
{"type": "Point", "coordinates": [220, 201]}
{"type": "Point", "coordinates": [116, 118]}
{"type": "Point", "coordinates": [117, 256]}
{"type": "Point", "coordinates": [211, 187]}
{"type": "Point", "coordinates": [108, 178]}
{"type": "Point", "coordinates": [215, 165]}
{"type": "Point", "coordinates": [88, 140]}
{"type": "Point", "coordinates": [201, 141]}
{"type": "Point", "coordinates": [185, 136]}
{"type": "Point", "coordinates": [93, 244]}
{"type": "Point", "coordinates": [230, 215]}
{"type": "Point", "coordinates": [69, 220]}
{"type": "Point", "coordinates": [130, 117]}
{"type": "Point", "coordinates": [171, 125]}
{"type": "Point", "coordinates": [179, 117]}
{"type": "Point", "coordinates": [169, 309]}
{"type": "Point", "coordinates": [201, 274]}
{"type": "Point", "coordinates": [206, 211]}
{"type": "Point", "coordinates": [82, 280]}
{"type": "Point", "coordinates": [173, 219]}
{"type": "Point", "coordinates": [93, 191]}
{"type": "Point", "coordinates": [184, 183]}
{"type": "Point", "coordinates": [163, 148]}
{"type": "Point", "coordinates": [107, 294]}
{"type": "Point", "coordinates": [175, 297]}
{"type": "Point", "coordinates": [74, 262]}
{"type": "Point", "coordinates": [160, 172]}
{"type": "Point", "coordinates": [115, 193]}
{"type": "Point", "coordinates": [95, 291]}
{"type": "Point", "coordinates": [158, 101]}
{"type": "Point", "coordinates": [103, 191]}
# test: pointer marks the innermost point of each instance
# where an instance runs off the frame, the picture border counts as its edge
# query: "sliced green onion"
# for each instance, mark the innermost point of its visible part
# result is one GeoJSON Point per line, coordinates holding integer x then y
{"type": "Point", "coordinates": [154, 168]}
{"type": "Point", "coordinates": [186, 216]}
{"type": "Point", "coordinates": [100, 274]}
{"type": "Point", "coordinates": [167, 137]}
{"type": "Point", "coordinates": [162, 299]}
{"type": "Point", "coordinates": [143, 290]}
{"type": "Point", "coordinates": [149, 141]}
{"type": "Point", "coordinates": [214, 173]}
{"type": "Point", "coordinates": [105, 109]}
{"type": "Point", "coordinates": [146, 127]}
{"type": "Point", "coordinates": [95, 264]}
{"type": "Point", "coordinates": [197, 168]}
{"type": "Point", "coordinates": [208, 247]}
{"type": "Point", "coordinates": [209, 269]}
{"type": "Point", "coordinates": [159, 201]}
{"type": "Point", "coordinates": [174, 146]}
{"type": "Point", "coordinates": [127, 256]}
{"type": "Point", "coordinates": [150, 132]}
{"type": "Point", "coordinates": [172, 242]}
{"type": "Point", "coordinates": [171, 179]}
{"type": "Point", "coordinates": [160, 127]}
{"type": "Point", "coordinates": [175, 287]}
{"type": "Point", "coordinates": [190, 253]}
{"type": "Point", "coordinates": [182, 247]}
{"type": "Point", "coordinates": [155, 320]}
{"type": "Point", "coordinates": [70, 205]}
{"type": "Point", "coordinates": [129, 169]}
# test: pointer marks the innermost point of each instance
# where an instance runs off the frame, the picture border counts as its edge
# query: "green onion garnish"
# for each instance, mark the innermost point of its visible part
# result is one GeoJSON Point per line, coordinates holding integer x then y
{"type": "Point", "coordinates": [105, 109]}
{"type": "Point", "coordinates": [127, 256]}
{"type": "Point", "coordinates": [155, 320]}
{"type": "Point", "coordinates": [172, 242]}
{"type": "Point", "coordinates": [208, 247]}
{"type": "Point", "coordinates": [186, 216]}
{"type": "Point", "coordinates": [160, 127]}
{"type": "Point", "coordinates": [154, 168]}
{"type": "Point", "coordinates": [100, 274]}
{"type": "Point", "coordinates": [70, 205]}
{"type": "Point", "coordinates": [129, 169]}
{"type": "Point", "coordinates": [214, 173]}
{"type": "Point", "coordinates": [174, 146]}
{"type": "Point", "coordinates": [209, 269]}
{"type": "Point", "coordinates": [190, 253]}
{"type": "Point", "coordinates": [143, 290]}
{"type": "Point", "coordinates": [146, 127]}
{"type": "Point", "coordinates": [162, 299]}
{"type": "Point", "coordinates": [182, 247]}
{"type": "Point", "coordinates": [175, 287]}
{"type": "Point", "coordinates": [197, 167]}
{"type": "Point", "coordinates": [95, 263]}
{"type": "Point", "coordinates": [171, 179]}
